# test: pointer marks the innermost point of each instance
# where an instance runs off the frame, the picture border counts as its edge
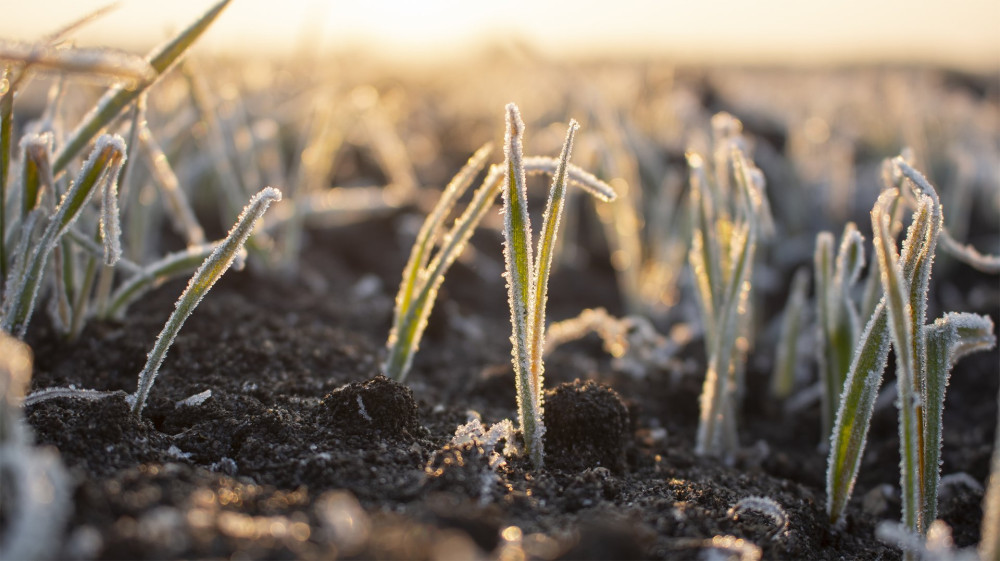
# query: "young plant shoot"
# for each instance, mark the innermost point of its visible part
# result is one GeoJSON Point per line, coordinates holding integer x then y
{"type": "Point", "coordinates": [528, 276]}
{"type": "Point", "coordinates": [727, 217]}
{"type": "Point", "coordinates": [924, 357]}
{"type": "Point", "coordinates": [204, 278]}
{"type": "Point", "coordinates": [424, 274]}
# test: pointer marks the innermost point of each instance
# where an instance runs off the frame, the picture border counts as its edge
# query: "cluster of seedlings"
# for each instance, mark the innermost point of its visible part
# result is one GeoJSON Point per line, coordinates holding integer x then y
{"type": "Point", "coordinates": [60, 249]}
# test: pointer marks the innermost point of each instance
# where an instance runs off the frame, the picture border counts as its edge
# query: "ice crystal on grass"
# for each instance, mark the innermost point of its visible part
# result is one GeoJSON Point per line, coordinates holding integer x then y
{"type": "Point", "coordinates": [117, 98]}
{"type": "Point", "coordinates": [421, 281]}
{"type": "Point", "coordinates": [105, 63]}
{"type": "Point", "coordinates": [204, 278]}
{"type": "Point", "coordinates": [527, 277]}
{"type": "Point", "coordinates": [425, 270]}
{"type": "Point", "coordinates": [101, 168]}
{"type": "Point", "coordinates": [924, 357]}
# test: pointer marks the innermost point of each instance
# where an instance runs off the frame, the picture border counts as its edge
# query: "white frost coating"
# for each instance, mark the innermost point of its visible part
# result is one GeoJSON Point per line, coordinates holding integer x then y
{"type": "Point", "coordinates": [576, 175]}
{"type": "Point", "coordinates": [102, 62]}
{"type": "Point", "coordinates": [74, 393]}
{"type": "Point", "coordinates": [519, 266]}
{"type": "Point", "coordinates": [194, 400]}
{"type": "Point", "coordinates": [175, 452]}
{"type": "Point", "coordinates": [363, 411]}
{"type": "Point", "coordinates": [201, 282]}
{"type": "Point", "coordinates": [938, 546]}
{"type": "Point", "coordinates": [970, 255]}
{"type": "Point", "coordinates": [110, 223]}
{"type": "Point", "coordinates": [766, 506]}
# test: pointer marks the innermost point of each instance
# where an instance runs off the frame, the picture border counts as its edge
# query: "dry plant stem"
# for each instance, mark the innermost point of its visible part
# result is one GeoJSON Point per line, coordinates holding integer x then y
{"type": "Point", "coordinates": [102, 62]}
{"type": "Point", "coordinates": [102, 166]}
{"type": "Point", "coordinates": [119, 97]}
{"type": "Point", "coordinates": [203, 280]}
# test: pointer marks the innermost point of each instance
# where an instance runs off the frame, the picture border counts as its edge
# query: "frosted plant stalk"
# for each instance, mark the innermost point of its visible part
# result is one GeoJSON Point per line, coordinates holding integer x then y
{"type": "Point", "coordinates": [202, 280]}
{"type": "Point", "coordinates": [102, 167]}
{"type": "Point", "coordinates": [527, 277]}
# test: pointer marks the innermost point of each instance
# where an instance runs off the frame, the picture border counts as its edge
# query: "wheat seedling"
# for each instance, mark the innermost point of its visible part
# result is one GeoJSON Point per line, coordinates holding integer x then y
{"type": "Point", "coordinates": [421, 281]}
{"type": "Point", "coordinates": [836, 313]}
{"type": "Point", "coordinates": [101, 168]}
{"type": "Point", "coordinates": [924, 357]}
{"type": "Point", "coordinates": [423, 275]}
{"type": "Point", "coordinates": [722, 248]}
{"type": "Point", "coordinates": [204, 278]}
{"type": "Point", "coordinates": [528, 276]}
{"type": "Point", "coordinates": [119, 97]}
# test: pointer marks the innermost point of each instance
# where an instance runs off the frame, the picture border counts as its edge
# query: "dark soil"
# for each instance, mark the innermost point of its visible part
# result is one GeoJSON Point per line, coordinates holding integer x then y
{"type": "Point", "coordinates": [304, 451]}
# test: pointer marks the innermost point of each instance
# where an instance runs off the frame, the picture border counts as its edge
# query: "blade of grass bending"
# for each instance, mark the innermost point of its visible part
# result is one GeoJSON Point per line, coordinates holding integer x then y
{"type": "Point", "coordinates": [203, 279]}
{"type": "Point", "coordinates": [542, 268]}
{"type": "Point", "coordinates": [864, 378]}
{"type": "Point", "coordinates": [902, 328]}
{"type": "Point", "coordinates": [970, 255]}
{"type": "Point", "coordinates": [102, 62]}
{"type": "Point", "coordinates": [414, 274]}
{"type": "Point", "coordinates": [397, 365]}
{"type": "Point", "coordinates": [949, 338]}
{"type": "Point", "coordinates": [519, 267]}
{"type": "Point", "coordinates": [103, 165]}
{"type": "Point", "coordinates": [119, 97]}
{"type": "Point", "coordinates": [107, 274]}
{"type": "Point", "coordinates": [153, 275]}
{"type": "Point", "coordinates": [575, 175]}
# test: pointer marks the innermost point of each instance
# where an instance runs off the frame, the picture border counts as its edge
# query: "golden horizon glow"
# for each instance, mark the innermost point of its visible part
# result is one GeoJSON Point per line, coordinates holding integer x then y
{"type": "Point", "coordinates": [961, 33]}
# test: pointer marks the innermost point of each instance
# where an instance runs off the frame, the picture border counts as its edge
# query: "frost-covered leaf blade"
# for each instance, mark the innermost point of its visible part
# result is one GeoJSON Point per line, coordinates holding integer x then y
{"type": "Point", "coordinates": [519, 269]}
{"type": "Point", "coordinates": [203, 279]}
{"type": "Point", "coordinates": [543, 260]}
{"type": "Point", "coordinates": [948, 339]}
{"type": "Point", "coordinates": [117, 98]}
{"type": "Point", "coordinates": [103, 165]}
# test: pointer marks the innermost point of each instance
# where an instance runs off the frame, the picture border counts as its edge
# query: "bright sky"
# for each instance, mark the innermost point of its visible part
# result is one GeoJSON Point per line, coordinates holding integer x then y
{"type": "Point", "coordinates": [961, 32]}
